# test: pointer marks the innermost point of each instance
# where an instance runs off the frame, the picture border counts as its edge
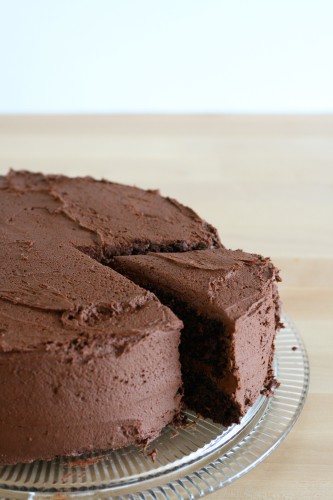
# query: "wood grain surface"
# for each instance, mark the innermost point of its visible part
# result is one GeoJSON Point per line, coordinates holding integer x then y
{"type": "Point", "coordinates": [266, 182]}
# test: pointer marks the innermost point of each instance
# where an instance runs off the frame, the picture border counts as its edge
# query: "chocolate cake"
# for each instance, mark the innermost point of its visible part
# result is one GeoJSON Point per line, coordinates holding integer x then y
{"type": "Point", "coordinates": [89, 360]}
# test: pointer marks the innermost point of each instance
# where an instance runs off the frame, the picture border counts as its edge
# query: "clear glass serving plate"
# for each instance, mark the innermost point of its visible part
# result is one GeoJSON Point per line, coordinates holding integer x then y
{"type": "Point", "coordinates": [182, 463]}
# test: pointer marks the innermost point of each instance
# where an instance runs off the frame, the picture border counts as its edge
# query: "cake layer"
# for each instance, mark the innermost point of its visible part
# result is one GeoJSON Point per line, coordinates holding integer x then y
{"type": "Point", "coordinates": [228, 303]}
{"type": "Point", "coordinates": [117, 219]}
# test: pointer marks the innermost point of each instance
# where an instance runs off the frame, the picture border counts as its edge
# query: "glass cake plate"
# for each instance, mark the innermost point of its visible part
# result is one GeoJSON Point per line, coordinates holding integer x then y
{"type": "Point", "coordinates": [182, 463]}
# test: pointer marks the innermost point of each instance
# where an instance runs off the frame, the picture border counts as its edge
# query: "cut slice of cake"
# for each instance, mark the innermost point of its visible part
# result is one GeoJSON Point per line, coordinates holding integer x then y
{"type": "Point", "coordinates": [229, 304]}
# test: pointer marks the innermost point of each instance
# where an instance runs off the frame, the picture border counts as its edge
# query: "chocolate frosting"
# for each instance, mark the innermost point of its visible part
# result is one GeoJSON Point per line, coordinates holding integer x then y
{"type": "Point", "coordinates": [89, 360]}
{"type": "Point", "coordinates": [49, 225]}
{"type": "Point", "coordinates": [231, 282]}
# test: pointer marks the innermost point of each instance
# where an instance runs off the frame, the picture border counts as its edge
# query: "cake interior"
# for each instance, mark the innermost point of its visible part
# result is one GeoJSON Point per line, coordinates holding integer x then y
{"type": "Point", "coordinates": [205, 359]}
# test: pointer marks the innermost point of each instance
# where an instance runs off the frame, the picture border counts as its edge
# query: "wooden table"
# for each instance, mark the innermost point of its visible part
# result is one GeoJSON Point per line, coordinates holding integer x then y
{"type": "Point", "coordinates": [267, 184]}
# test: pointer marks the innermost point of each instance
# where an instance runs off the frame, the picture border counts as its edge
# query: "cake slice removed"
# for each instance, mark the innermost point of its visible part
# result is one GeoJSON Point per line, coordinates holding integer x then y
{"type": "Point", "coordinates": [229, 304]}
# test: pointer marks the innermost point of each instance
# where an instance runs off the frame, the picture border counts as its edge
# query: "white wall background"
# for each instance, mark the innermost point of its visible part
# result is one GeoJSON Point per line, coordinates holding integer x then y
{"type": "Point", "coordinates": [166, 56]}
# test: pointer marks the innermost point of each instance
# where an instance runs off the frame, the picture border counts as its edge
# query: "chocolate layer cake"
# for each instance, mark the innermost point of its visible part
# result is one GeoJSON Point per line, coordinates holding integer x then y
{"type": "Point", "coordinates": [89, 360]}
{"type": "Point", "coordinates": [228, 303]}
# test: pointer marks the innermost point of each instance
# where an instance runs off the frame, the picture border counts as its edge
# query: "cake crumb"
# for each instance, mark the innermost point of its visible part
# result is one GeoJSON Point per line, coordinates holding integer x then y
{"type": "Point", "coordinates": [153, 454]}
{"type": "Point", "coordinates": [67, 476]}
{"type": "Point", "coordinates": [174, 434]}
{"type": "Point", "coordinates": [183, 422]}
{"type": "Point", "coordinates": [270, 388]}
{"type": "Point", "coordinates": [85, 462]}
{"type": "Point", "coordinates": [191, 423]}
